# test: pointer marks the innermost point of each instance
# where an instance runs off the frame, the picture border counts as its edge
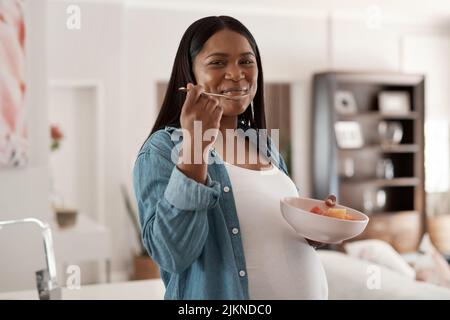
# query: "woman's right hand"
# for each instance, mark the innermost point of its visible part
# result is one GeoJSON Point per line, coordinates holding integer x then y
{"type": "Point", "coordinates": [198, 107]}
{"type": "Point", "coordinates": [203, 108]}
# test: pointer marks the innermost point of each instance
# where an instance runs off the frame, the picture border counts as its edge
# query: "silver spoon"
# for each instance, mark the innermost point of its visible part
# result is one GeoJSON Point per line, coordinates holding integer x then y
{"type": "Point", "coordinates": [183, 89]}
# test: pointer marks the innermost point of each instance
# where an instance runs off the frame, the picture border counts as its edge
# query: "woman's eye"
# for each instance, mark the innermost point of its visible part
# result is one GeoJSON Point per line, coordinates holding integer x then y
{"type": "Point", "coordinates": [222, 63]}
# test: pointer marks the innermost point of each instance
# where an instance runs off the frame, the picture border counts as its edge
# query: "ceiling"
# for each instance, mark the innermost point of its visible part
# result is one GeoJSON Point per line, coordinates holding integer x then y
{"type": "Point", "coordinates": [392, 7]}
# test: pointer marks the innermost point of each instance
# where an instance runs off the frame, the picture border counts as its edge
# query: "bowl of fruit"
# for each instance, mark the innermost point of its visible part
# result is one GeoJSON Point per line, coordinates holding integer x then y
{"type": "Point", "coordinates": [322, 220]}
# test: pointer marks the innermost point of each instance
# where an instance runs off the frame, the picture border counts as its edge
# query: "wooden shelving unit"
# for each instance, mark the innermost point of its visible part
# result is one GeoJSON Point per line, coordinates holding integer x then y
{"type": "Point", "coordinates": [400, 219]}
{"type": "Point", "coordinates": [403, 148]}
{"type": "Point", "coordinates": [376, 114]}
{"type": "Point", "coordinates": [395, 182]}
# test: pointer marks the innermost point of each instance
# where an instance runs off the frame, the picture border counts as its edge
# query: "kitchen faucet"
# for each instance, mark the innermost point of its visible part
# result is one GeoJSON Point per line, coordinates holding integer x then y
{"type": "Point", "coordinates": [46, 278]}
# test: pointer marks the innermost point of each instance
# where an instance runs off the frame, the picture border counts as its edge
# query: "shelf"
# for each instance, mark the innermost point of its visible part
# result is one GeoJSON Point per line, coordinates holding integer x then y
{"type": "Point", "coordinates": [389, 214]}
{"type": "Point", "coordinates": [396, 182]}
{"type": "Point", "coordinates": [378, 115]}
{"type": "Point", "coordinates": [400, 148]}
{"type": "Point", "coordinates": [403, 223]}
{"type": "Point", "coordinates": [384, 78]}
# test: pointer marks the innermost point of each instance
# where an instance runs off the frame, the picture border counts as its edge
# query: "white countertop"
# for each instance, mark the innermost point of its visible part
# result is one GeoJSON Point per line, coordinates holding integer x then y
{"type": "Point", "coordinates": [132, 290]}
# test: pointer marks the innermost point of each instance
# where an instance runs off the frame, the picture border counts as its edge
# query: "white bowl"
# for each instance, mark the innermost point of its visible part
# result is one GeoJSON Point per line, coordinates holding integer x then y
{"type": "Point", "coordinates": [296, 211]}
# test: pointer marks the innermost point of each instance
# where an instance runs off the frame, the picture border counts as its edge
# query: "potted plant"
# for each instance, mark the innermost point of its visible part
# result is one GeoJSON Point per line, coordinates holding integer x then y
{"type": "Point", "coordinates": [56, 136]}
{"type": "Point", "coordinates": [143, 266]}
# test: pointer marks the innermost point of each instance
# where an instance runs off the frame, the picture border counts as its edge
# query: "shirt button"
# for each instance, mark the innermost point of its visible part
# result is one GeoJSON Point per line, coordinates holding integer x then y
{"type": "Point", "coordinates": [235, 230]}
{"type": "Point", "coordinates": [242, 273]}
{"type": "Point", "coordinates": [226, 189]}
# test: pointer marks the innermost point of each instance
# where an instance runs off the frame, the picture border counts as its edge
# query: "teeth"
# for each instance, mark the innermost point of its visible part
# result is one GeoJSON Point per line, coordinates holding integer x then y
{"type": "Point", "coordinates": [231, 91]}
{"type": "Point", "coordinates": [235, 93]}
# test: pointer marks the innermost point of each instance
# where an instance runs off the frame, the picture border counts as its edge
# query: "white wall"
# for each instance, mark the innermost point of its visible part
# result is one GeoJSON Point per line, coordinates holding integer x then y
{"type": "Point", "coordinates": [73, 165]}
{"type": "Point", "coordinates": [429, 54]}
{"type": "Point", "coordinates": [357, 46]}
{"type": "Point", "coordinates": [24, 192]}
{"type": "Point", "coordinates": [95, 54]}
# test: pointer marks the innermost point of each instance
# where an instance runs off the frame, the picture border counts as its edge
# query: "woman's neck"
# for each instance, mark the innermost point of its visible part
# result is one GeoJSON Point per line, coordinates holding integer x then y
{"type": "Point", "coordinates": [227, 122]}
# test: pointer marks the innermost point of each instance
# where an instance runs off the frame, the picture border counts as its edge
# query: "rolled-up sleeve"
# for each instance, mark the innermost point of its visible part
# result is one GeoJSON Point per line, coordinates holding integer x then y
{"type": "Point", "coordinates": [172, 207]}
{"type": "Point", "coordinates": [187, 194]}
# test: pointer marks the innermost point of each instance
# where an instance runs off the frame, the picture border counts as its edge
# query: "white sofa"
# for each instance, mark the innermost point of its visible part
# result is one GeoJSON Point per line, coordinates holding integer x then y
{"type": "Point", "coordinates": [347, 279]}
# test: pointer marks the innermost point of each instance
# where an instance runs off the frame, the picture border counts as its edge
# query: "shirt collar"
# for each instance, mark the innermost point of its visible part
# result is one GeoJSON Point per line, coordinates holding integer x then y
{"type": "Point", "coordinates": [267, 148]}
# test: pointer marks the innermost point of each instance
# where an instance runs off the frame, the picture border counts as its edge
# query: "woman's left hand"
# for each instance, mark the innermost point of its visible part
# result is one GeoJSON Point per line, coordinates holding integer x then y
{"type": "Point", "coordinates": [315, 244]}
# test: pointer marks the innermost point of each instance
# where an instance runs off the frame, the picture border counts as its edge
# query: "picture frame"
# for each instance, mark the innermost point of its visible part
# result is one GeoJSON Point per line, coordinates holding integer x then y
{"type": "Point", "coordinates": [394, 102]}
{"type": "Point", "coordinates": [348, 134]}
{"type": "Point", "coordinates": [14, 145]}
{"type": "Point", "coordinates": [344, 102]}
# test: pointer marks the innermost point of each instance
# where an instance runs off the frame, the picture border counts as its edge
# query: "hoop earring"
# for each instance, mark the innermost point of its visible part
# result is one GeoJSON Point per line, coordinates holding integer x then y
{"type": "Point", "coordinates": [253, 112]}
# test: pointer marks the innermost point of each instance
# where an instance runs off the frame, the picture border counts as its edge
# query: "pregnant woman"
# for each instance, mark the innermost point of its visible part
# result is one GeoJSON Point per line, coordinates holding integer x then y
{"type": "Point", "coordinates": [209, 212]}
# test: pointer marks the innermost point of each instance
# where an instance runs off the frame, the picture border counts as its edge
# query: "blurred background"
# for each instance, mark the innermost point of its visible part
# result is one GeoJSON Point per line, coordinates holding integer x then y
{"type": "Point", "coordinates": [85, 82]}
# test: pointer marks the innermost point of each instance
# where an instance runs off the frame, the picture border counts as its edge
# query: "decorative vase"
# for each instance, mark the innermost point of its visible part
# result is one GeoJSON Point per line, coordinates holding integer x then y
{"type": "Point", "coordinates": [145, 268]}
{"type": "Point", "coordinates": [439, 230]}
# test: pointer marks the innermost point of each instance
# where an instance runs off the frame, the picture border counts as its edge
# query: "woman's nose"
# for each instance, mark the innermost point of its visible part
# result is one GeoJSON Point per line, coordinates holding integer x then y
{"type": "Point", "coordinates": [234, 73]}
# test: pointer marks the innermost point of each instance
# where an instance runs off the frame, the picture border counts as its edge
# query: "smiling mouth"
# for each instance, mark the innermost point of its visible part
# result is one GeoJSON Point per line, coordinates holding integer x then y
{"type": "Point", "coordinates": [235, 92]}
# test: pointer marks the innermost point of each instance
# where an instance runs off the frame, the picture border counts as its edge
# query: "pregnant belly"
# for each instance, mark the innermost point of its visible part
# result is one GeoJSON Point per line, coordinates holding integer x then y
{"type": "Point", "coordinates": [280, 263]}
{"type": "Point", "coordinates": [288, 269]}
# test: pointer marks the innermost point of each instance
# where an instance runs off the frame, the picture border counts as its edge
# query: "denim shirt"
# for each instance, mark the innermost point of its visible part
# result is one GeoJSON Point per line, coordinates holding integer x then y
{"type": "Point", "coordinates": [189, 229]}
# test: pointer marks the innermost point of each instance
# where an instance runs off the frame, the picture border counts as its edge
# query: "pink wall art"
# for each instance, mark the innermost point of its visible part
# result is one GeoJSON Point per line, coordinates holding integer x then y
{"type": "Point", "coordinates": [13, 124]}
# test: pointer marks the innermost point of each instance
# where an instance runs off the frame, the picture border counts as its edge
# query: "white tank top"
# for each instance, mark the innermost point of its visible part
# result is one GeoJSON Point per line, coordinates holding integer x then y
{"type": "Point", "coordinates": [280, 263]}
